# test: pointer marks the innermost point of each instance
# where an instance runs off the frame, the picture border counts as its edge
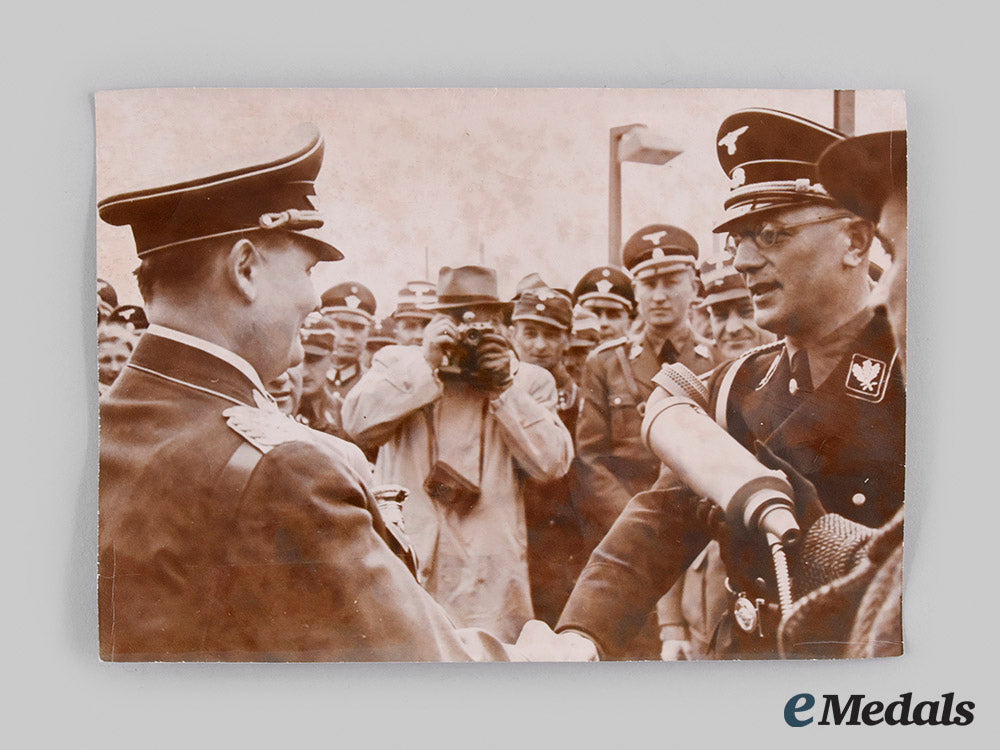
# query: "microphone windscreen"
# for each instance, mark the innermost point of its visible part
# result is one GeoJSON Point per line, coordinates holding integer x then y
{"type": "Point", "coordinates": [831, 548]}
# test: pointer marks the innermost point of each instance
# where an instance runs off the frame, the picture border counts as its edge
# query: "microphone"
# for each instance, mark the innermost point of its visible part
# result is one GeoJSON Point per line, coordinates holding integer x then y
{"type": "Point", "coordinates": [711, 462]}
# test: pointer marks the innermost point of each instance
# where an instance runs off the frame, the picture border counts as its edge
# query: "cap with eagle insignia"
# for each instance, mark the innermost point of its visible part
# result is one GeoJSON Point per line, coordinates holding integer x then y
{"type": "Point", "coordinates": [412, 300]}
{"type": "Point", "coordinates": [266, 198]}
{"type": "Point", "coordinates": [544, 305]}
{"type": "Point", "coordinates": [770, 159]}
{"type": "Point", "coordinates": [317, 335]}
{"type": "Point", "coordinates": [349, 299]}
{"type": "Point", "coordinates": [721, 281]}
{"type": "Point", "coordinates": [658, 249]}
{"type": "Point", "coordinates": [605, 284]}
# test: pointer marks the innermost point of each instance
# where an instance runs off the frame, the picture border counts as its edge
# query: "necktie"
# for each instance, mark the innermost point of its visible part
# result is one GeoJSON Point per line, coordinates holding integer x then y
{"type": "Point", "coordinates": [801, 380]}
{"type": "Point", "coordinates": [668, 353]}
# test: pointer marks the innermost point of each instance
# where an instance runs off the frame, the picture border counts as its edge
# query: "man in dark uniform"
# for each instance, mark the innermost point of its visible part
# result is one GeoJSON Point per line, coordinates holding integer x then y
{"type": "Point", "coordinates": [607, 292]}
{"type": "Point", "coordinates": [542, 319]}
{"type": "Point", "coordinates": [411, 315]}
{"type": "Point", "coordinates": [825, 403]}
{"type": "Point", "coordinates": [350, 308]}
{"type": "Point", "coordinates": [227, 530]}
{"type": "Point", "coordinates": [618, 374]}
{"type": "Point", "coordinates": [317, 347]}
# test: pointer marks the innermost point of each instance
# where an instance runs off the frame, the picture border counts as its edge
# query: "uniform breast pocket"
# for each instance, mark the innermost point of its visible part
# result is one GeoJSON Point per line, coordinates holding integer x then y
{"type": "Point", "coordinates": [626, 421]}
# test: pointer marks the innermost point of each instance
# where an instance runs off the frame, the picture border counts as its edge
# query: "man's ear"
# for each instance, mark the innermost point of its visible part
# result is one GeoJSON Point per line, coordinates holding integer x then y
{"type": "Point", "coordinates": [243, 269]}
{"type": "Point", "coordinates": [859, 237]}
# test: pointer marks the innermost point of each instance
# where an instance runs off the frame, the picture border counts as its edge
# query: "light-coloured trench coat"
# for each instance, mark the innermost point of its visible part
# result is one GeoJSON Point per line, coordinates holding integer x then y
{"type": "Point", "coordinates": [471, 558]}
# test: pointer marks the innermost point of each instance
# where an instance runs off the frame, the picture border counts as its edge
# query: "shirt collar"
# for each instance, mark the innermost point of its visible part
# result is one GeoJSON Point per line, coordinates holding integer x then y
{"type": "Point", "coordinates": [828, 351]}
{"type": "Point", "coordinates": [214, 349]}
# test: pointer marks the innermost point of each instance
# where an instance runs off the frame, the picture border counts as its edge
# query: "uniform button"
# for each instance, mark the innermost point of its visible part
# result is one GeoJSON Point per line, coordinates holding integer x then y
{"type": "Point", "coordinates": [793, 386]}
{"type": "Point", "coordinates": [858, 499]}
{"type": "Point", "coordinates": [616, 400]}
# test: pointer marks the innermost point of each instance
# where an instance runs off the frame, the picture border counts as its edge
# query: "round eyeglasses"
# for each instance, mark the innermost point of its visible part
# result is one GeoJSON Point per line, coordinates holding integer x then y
{"type": "Point", "coordinates": [768, 234]}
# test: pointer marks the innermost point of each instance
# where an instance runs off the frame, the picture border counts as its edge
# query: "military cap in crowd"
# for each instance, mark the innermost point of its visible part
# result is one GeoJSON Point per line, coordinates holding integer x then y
{"type": "Point", "coordinates": [659, 248]}
{"type": "Point", "coordinates": [349, 299]}
{"type": "Point", "coordinates": [586, 331]}
{"type": "Point", "coordinates": [544, 305]}
{"type": "Point", "coordinates": [466, 286]}
{"type": "Point", "coordinates": [413, 299]}
{"type": "Point", "coordinates": [107, 294]}
{"type": "Point", "coordinates": [132, 316]}
{"type": "Point", "coordinates": [317, 335]}
{"type": "Point", "coordinates": [534, 281]}
{"type": "Point", "coordinates": [862, 172]}
{"type": "Point", "coordinates": [268, 197]}
{"type": "Point", "coordinates": [721, 280]}
{"type": "Point", "coordinates": [770, 158]}
{"type": "Point", "coordinates": [383, 334]}
{"type": "Point", "coordinates": [605, 283]}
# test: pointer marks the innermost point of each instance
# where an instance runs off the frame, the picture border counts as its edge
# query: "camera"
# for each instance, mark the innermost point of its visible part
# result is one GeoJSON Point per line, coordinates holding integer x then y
{"type": "Point", "coordinates": [463, 357]}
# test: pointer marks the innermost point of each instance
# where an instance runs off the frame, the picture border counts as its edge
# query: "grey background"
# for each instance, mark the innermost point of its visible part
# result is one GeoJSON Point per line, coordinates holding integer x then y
{"type": "Point", "coordinates": [57, 693]}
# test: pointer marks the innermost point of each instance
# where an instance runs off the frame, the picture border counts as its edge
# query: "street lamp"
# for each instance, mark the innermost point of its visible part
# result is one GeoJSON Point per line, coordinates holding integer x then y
{"type": "Point", "coordinates": [630, 143]}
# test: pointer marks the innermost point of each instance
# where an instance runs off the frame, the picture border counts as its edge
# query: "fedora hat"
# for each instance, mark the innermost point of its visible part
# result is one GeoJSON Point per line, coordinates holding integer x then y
{"type": "Point", "coordinates": [466, 286]}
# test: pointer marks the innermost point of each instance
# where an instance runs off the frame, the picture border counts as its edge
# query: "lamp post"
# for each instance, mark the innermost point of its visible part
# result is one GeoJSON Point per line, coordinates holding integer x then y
{"type": "Point", "coordinates": [630, 143]}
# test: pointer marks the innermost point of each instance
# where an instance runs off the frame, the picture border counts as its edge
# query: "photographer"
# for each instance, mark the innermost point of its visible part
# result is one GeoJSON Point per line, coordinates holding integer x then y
{"type": "Point", "coordinates": [460, 422]}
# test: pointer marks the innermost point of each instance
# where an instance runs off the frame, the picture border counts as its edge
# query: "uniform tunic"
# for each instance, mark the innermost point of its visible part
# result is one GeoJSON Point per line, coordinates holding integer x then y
{"type": "Point", "coordinates": [616, 464]}
{"type": "Point", "coordinates": [472, 559]}
{"type": "Point", "coordinates": [846, 436]}
{"type": "Point", "coordinates": [214, 548]}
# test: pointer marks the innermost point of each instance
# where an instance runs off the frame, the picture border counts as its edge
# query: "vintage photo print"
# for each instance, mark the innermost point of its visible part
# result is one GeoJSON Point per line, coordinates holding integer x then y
{"type": "Point", "coordinates": [500, 374]}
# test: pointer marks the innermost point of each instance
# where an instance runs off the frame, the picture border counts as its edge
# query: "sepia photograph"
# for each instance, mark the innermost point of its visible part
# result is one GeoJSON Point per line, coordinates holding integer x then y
{"type": "Point", "coordinates": [500, 374]}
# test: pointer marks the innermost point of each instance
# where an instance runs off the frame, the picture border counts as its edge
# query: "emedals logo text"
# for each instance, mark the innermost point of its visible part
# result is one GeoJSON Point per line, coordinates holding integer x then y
{"type": "Point", "coordinates": [858, 710]}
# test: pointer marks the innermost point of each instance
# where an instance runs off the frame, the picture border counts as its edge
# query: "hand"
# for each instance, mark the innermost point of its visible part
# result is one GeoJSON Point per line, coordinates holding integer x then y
{"type": "Point", "coordinates": [439, 336]}
{"type": "Point", "coordinates": [538, 642]}
{"type": "Point", "coordinates": [494, 355]}
{"type": "Point", "coordinates": [676, 651]}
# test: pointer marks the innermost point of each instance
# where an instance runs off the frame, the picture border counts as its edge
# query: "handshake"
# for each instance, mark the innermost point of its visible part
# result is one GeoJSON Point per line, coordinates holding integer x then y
{"type": "Point", "coordinates": [537, 642]}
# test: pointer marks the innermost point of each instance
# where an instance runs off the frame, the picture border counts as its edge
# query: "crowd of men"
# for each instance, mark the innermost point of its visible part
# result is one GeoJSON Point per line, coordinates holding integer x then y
{"type": "Point", "coordinates": [292, 477]}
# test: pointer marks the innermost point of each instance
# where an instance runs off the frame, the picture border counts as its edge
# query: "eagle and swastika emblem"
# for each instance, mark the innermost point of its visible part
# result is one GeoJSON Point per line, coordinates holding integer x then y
{"type": "Point", "coordinates": [866, 377]}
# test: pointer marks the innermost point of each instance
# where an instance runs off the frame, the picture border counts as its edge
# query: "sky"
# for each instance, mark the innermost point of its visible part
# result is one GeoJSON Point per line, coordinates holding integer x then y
{"type": "Point", "coordinates": [414, 179]}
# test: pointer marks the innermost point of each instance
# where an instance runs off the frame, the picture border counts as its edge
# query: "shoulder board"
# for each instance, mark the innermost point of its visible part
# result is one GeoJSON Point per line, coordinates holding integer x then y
{"type": "Point", "coordinates": [610, 344]}
{"type": "Point", "coordinates": [265, 429]}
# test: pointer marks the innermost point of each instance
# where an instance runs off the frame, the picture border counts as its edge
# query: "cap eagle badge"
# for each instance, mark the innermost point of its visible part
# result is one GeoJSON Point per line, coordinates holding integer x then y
{"type": "Point", "coordinates": [730, 138]}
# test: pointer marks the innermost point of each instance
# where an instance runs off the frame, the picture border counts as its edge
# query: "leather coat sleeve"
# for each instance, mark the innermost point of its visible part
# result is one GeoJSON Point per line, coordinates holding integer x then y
{"type": "Point", "coordinates": [308, 577]}
{"type": "Point", "coordinates": [398, 383]}
{"type": "Point", "coordinates": [652, 543]}
{"type": "Point", "coordinates": [530, 425]}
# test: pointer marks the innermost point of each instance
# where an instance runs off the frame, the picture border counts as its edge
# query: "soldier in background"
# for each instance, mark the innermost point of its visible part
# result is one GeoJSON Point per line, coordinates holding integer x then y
{"type": "Point", "coordinates": [383, 334]}
{"type": "Point", "coordinates": [618, 374]}
{"type": "Point", "coordinates": [541, 320]}
{"type": "Point", "coordinates": [317, 347]}
{"type": "Point", "coordinates": [350, 309]}
{"type": "Point", "coordinates": [411, 315]}
{"type": "Point", "coordinates": [607, 292]}
{"type": "Point", "coordinates": [586, 335]}
{"type": "Point", "coordinates": [286, 390]}
{"type": "Point", "coordinates": [115, 343]}
{"type": "Point", "coordinates": [107, 300]}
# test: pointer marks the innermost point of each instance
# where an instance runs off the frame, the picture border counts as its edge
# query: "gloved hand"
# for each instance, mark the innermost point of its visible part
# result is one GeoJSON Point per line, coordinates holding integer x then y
{"type": "Point", "coordinates": [807, 505]}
